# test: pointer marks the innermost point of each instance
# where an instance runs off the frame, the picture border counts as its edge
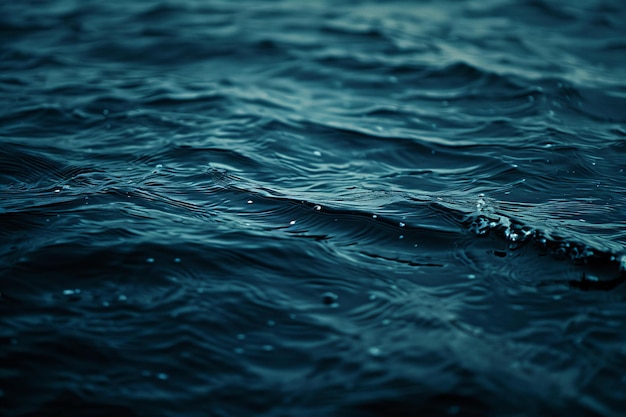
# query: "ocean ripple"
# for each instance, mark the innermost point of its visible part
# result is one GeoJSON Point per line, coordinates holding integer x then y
{"type": "Point", "coordinates": [324, 208]}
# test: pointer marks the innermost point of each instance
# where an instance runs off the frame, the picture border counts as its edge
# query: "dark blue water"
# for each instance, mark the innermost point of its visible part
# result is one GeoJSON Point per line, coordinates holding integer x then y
{"type": "Point", "coordinates": [329, 208]}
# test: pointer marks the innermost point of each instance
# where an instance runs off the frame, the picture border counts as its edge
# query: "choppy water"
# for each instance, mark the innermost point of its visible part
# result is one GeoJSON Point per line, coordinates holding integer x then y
{"type": "Point", "coordinates": [330, 208]}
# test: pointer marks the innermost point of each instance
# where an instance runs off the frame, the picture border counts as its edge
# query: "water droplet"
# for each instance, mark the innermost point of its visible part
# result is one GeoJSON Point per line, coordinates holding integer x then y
{"type": "Point", "coordinates": [401, 237]}
{"type": "Point", "coordinates": [162, 376]}
{"type": "Point", "coordinates": [150, 260]}
{"type": "Point", "coordinates": [471, 276]}
{"type": "Point", "coordinates": [292, 222]}
{"type": "Point", "coordinates": [330, 298]}
{"type": "Point", "coordinates": [57, 191]}
{"type": "Point", "coordinates": [402, 224]}
{"type": "Point", "coordinates": [250, 201]}
{"type": "Point", "coordinates": [159, 166]}
{"type": "Point", "coordinates": [374, 351]}
{"type": "Point", "coordinates": [177, 260]}
{"type": "Point", "coordinates": [317, 207]}
{"type": "Point", "coordinates": [374, 216]}
{"type": "Point", "coordinates": [317, 153]}
{"type": "Point", "coordinates": [122, 297]}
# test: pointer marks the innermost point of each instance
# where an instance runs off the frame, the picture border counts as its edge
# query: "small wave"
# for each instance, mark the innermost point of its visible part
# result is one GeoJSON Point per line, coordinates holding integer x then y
{"type": "Point", "coordinates": [608, 258]}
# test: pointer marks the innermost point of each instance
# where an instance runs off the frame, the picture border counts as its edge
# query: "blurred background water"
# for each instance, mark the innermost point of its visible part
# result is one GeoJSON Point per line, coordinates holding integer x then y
{"type": "Point", "coordinates": [291, 208]}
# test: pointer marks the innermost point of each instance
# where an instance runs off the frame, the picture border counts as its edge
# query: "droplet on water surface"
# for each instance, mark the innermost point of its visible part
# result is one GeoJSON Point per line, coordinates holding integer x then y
{"type": "Point", "coordinates": [330, 298]}
{"type": "Point", "coordinates": [374, 351]}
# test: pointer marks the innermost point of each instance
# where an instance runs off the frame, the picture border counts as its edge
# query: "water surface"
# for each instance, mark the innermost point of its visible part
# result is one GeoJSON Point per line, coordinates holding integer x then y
{"type": "Point", "coordinates": [289, 208]}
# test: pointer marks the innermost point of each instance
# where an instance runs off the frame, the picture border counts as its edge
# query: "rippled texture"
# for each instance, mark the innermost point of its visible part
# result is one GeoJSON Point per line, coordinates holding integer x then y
{"type": "Point", "coordinates": [330, 208]}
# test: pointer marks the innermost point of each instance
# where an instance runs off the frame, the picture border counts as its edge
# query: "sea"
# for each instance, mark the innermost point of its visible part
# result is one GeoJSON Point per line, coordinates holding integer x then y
{"type": "Point", "coordinates": [312, 208]}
